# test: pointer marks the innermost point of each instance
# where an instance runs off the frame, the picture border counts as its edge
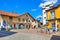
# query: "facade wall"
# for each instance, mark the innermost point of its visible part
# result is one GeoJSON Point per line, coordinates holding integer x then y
{"type": "Point", "coordinates": [20, 20]}
{"type": "Point", "coordinates": [57, 15]}
{"type": "Point", "coordinates": [0, 21]}
{"type": "Point", "coordinates": [58, 23]}
{"type": "Point", "coordinates": [10, 22]}
{"type": "Point", "coordinates": [23, 18]}
{"type": "Point", "coordinates": [15, 19]}
{"type": "Point", "coordinates": [6, 18]}
{"type": "Point", "coordinates": [50, 23]}
{"type": "Point", "coordinates": [26, 20]}
{"type": "Point", "coordinates": [48, 15]}
{"type": "Point", "coordinates": [0, 18]}
{"type": "Point", "coordinates": [57, 12]}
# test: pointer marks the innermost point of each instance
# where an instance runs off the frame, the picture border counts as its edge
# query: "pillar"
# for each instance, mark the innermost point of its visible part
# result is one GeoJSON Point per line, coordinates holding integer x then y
{"type": "Point", "coordinates": [56, 24]}
{"type": "Point", "coordinates": [44, 17]}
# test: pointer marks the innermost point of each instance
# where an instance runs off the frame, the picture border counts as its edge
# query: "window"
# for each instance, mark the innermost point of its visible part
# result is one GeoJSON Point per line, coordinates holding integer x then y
{"type": "Point", "coordinates": [52, 14]}
{"type": "Point", "coordinates": [44, 17]}
{"type": "Point", "coordinates": [53, 24]}
{"type": "Point", "coordinates": [26, 15]}
{"type": "Point", "coordinates": [26, 20]}
{"type": "Point", "coordinates": [45, 12]}
{"type": "Point", "coordinates": [29, 20]}
{"type": "Point", "coordinates": [46, 5]}
{"type": "Point", "coordinates": [35, 26]}
{"type": "Point", "coordinates": [19, 19]}
{"type": "Point", "coordinates": [10, 18]}
{"type": "Point", "coordinates": [32, 20]}
{"type": "Point", "coordinates": [23, 20]}
{"type": "Point", "coordinates": [38, 25]}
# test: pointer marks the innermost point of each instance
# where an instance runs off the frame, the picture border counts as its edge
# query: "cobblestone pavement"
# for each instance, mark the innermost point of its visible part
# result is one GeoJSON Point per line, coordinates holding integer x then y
{"type": "Point", "coordinates": [26, 35]}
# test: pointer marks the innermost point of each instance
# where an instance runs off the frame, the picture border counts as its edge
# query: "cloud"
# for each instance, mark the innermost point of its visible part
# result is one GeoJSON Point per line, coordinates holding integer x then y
{"type": "Point", "coordinates": [48, 2]}
{"type": "Point", "coordinates": [45, 3]}
{"type": "Point", "coordinates": [54, 1]}
{"type": "Point", "coordinates": [38, 17]}
{"type": "Point", "coordinates": [41, 4]}
{"type": "Point", "coordinates": [33, 9]}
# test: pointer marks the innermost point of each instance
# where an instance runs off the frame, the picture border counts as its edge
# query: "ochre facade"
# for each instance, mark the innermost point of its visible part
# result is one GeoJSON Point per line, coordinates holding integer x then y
{"type": "Point", "coordinates": [53, 17]}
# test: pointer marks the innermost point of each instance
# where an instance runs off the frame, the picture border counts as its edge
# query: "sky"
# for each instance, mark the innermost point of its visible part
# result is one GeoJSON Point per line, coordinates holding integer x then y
{"type": "Point", "coordinates": [22, 6]}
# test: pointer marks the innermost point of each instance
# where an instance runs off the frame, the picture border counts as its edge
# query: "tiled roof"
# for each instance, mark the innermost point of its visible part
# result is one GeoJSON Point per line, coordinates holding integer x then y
{"type": "Point", "coordinates": [13, 14]}
{"type": "Point", "coordinates": [8, 13]}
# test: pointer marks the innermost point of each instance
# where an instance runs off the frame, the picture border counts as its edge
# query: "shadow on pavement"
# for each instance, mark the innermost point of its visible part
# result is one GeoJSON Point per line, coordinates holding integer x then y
{"type": "Point", "coordinates": [6, 33]}
{"type": "Point", "coordinates": [54, 37]}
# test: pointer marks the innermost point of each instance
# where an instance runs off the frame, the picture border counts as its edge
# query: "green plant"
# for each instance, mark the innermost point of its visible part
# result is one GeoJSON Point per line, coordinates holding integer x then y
{"type": "Point", "coordinates": [19, 27]}
{"type": "Point", "coordinates": [41, 30]}
{"type": "Point", "coordinates": [45, 25]}
{"type": "Point", "coordinates": [46, 30]}
{"type": "Point", "coordinates": [8, 29]}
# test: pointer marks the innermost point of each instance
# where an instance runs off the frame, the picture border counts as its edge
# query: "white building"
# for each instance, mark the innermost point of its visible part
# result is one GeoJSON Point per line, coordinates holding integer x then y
{"type": "Point", "coordinates": [45, 6]}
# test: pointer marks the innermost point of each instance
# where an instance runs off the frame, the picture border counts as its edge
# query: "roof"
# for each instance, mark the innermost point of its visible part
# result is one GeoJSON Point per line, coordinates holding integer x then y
{"type": "Point", "coordinates": [25, 14]}
{"type": "Point", "coordinates": [57, 6]}
{"type": "Point", "coordinates": [52, 7]}
{"type": "Point", "coordinates": [8, 13]}
{"type": "Point", "coordinates": [13, 14]}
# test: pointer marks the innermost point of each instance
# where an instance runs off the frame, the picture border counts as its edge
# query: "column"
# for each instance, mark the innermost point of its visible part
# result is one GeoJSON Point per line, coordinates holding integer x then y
{"type": "Point", "coordinates": [44, 17]}
{"type": "Point", "coordinates": [56, 24]}
{"type": "Point", "coordinates": [25, 26]}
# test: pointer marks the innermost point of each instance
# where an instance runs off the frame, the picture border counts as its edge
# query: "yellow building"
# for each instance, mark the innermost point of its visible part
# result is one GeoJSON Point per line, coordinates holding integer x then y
{"type": "Point", "coordinates": [53, 17]}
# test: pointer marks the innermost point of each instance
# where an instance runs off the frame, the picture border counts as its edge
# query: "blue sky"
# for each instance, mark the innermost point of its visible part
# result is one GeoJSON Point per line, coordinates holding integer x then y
{"type": "Point", "coordinates": [22, 6]}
